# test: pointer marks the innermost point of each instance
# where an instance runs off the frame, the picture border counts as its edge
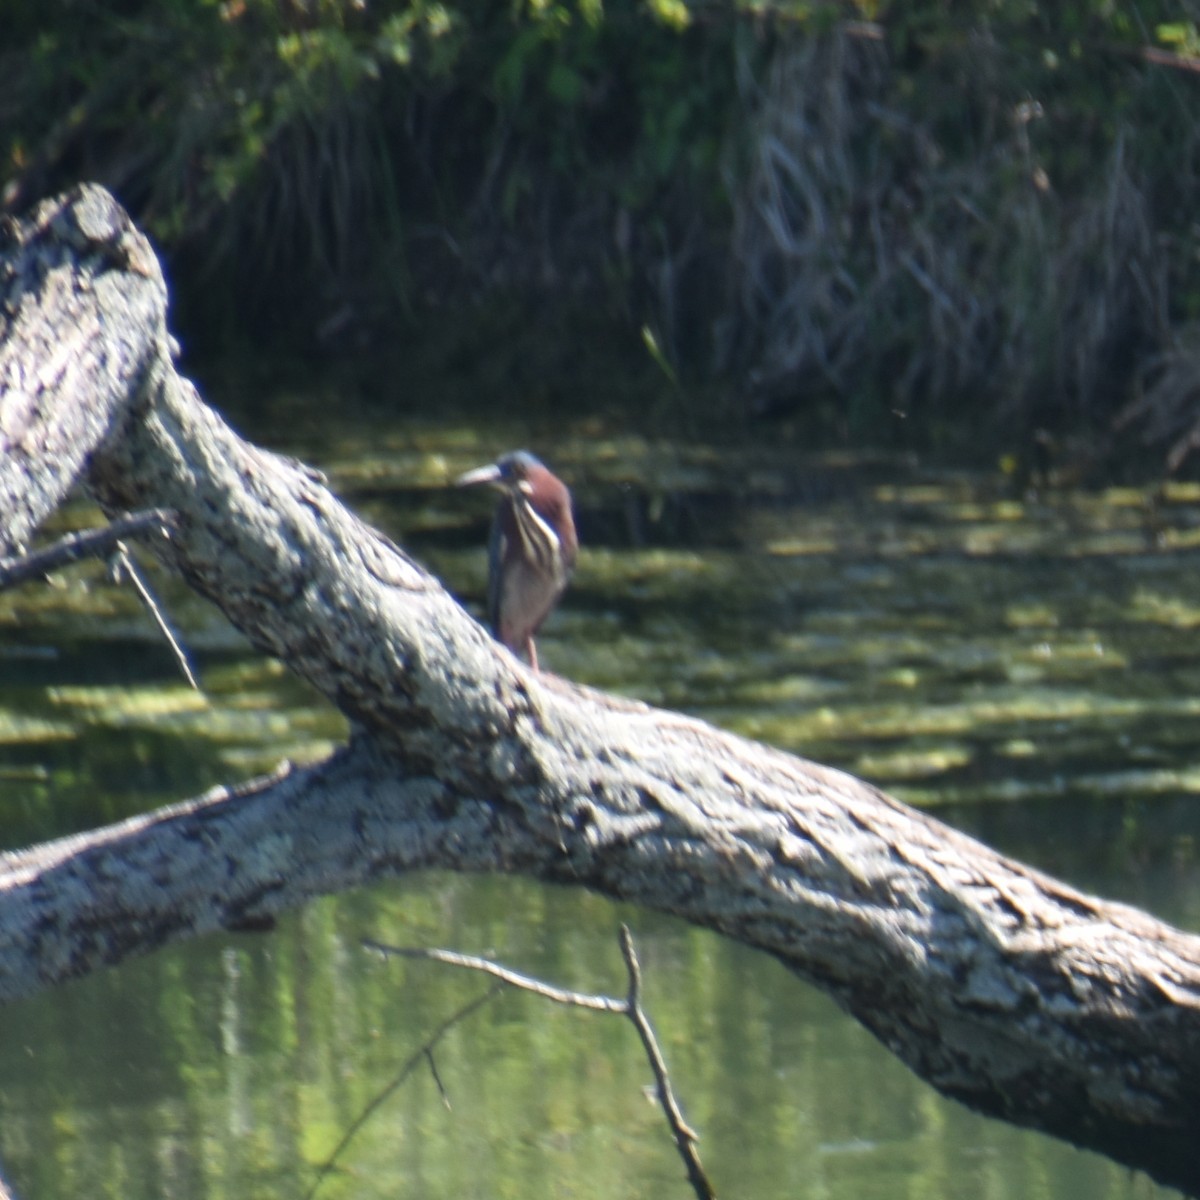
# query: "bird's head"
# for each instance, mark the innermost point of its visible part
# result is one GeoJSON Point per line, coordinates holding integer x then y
{"type": "Point", "coordinates": [518, 472]}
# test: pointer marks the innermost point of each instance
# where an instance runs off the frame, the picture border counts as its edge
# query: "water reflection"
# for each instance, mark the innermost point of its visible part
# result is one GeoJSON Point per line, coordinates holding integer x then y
{"type": "Point", "coordinates": [233, 1068]}
{"type": "Point", "coordinates": [1026, 665]}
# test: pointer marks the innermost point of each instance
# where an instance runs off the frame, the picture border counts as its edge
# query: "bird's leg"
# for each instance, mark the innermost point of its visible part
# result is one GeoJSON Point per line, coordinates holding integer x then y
{"type": "Point", "coordinates": [531, 653]}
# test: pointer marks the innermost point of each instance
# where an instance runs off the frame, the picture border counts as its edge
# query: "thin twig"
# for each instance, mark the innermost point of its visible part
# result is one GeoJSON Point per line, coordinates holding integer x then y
{"type": "Point", "coordinates": [525, 982]}
{"type": "Point", "coordinates": [424, 1053]}
{"type": "Point", "coordinates": [441, 1087]}
{"type": "Point", "coordinates": [82, 544]}
{"type": "Point", "coordinates": [685, 1136]}
{"type": "Point", "coordinates": [105, 542]}
{"type": "Point", "coordinates": [631, 1007]}
{"type": "Point", "coordinates": [126, 568]}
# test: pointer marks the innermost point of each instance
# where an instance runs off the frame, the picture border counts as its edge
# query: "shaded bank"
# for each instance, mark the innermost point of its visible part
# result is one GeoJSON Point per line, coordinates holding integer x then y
{"type": "Point", "coordinates": [931, 219]}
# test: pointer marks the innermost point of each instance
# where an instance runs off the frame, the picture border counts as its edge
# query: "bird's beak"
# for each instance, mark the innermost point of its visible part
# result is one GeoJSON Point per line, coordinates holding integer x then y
{"type": "Point", "coordinates": [488, 474]}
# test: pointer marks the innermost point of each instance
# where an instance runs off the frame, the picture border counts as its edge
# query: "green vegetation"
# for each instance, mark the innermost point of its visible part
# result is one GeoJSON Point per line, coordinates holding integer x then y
{"type": "Point", "coordinates": [888, 217]}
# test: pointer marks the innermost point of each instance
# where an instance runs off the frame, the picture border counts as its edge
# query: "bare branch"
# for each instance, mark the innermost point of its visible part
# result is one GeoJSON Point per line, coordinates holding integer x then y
{"type": "Point", "coordinates": [513, 978]}
{"type": "Point", "coordinates": [631, 1007]}
{"type": "Point", "coordinates": [425, 1051]}
{"type": "Point", "coordinates": [437, 1079]}
{"type": "Point", "coordinates": [105, 542]}
{"type": "Point", "coordinates": [84, 543]}
{"type": "Point", "coordinates": [685, 1136]}
{"type": "Point", "coordinates": [127, 568]}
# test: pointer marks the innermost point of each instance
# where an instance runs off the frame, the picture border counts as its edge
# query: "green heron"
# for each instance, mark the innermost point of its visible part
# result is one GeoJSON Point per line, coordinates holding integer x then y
{"type": "Point", "coordinates": [531, 549]}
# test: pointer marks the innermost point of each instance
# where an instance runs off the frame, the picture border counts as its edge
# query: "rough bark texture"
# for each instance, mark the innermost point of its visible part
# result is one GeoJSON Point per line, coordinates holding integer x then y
{"type": "Point", "coordinates": [1004, 988]}
{"type": "Point", "coordinates": [67, 367]}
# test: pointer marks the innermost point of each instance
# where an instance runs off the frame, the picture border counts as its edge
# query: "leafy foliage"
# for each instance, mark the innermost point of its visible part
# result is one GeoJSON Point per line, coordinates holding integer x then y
{"type": "Point", "coordinates": [855, 207]}
{"type": "Point", "coordinates": [304, 133]}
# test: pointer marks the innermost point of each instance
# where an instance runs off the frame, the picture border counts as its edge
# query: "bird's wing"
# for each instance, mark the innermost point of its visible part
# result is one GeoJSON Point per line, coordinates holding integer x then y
{"type": "Point", "coordinates": [497, 542]}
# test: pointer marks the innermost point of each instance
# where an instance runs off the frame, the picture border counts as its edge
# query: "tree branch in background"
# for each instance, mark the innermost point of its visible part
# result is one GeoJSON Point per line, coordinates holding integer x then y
{"type": "Point", "coordinates": [85, 543]}
{"type": "Point", "coordinates": [631, 1007]}
{"type": "Point", "coordinates": [125, 569]}
{"type": "Point", "coordinates": [424, 1052]}
{"type": "Point", "coordinates": [107, 542]}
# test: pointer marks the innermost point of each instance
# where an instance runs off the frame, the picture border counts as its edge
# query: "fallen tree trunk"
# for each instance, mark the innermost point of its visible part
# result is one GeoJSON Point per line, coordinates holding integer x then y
{"type": "Point", "coordinates": [1002, 987]}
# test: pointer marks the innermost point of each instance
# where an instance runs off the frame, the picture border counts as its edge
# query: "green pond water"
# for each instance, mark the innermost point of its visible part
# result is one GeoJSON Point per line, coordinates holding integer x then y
{"type": "Point", "coordinates": [1027, 664]}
